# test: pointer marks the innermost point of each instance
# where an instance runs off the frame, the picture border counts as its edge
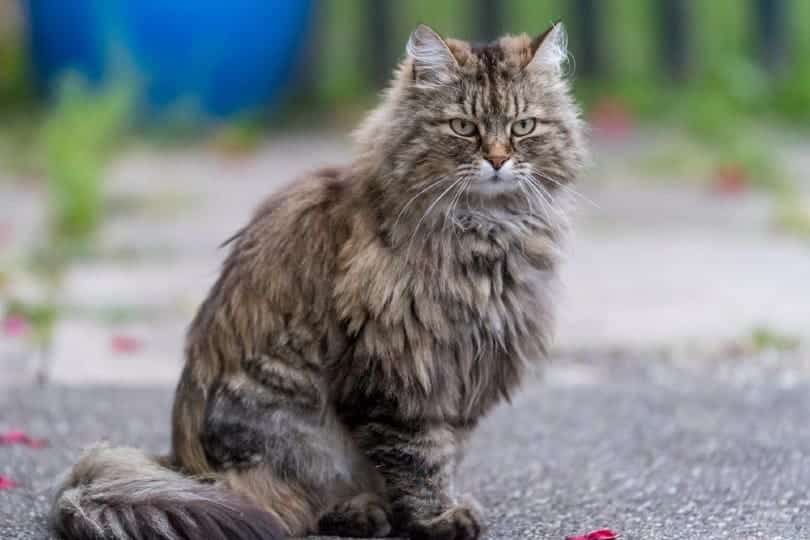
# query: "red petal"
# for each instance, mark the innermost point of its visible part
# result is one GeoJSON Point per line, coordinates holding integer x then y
{"type": "Point", "coordinates": [611, 117]}
{"type": "Point", "coordinates": [37, 443]}
{"type": "Point", "coordinates": [15, 326]}
{"type": "Point", "coordinates": [125, 344]}
{"type": "Point", "coordinates": [7, 483]}
{"type": "Point", "coordinates": [730, 179]}
{"type": "Point", "coordinates": [20, 437]}
{"type": "Point", "coordinates": [13, 437]}
{"type": "Point", "coordinates": [601, 534]}
{"type": "Point", "coordinates": [5, 232]}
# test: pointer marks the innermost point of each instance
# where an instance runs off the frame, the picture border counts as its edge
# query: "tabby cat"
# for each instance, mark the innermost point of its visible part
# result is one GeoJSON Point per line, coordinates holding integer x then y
{"type": "Point", "coordinates": [366, 318]}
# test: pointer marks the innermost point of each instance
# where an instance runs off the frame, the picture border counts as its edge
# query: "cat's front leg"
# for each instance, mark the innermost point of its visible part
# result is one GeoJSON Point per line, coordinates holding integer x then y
{"type": "Point", "coordinates": [417, 460]}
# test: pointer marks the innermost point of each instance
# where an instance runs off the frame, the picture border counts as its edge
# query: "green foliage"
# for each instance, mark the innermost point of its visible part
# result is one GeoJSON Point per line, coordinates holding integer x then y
{"type": "Point", "coordinates": [14, 90]}
{"type": "Point", "coordinates": [532, 17]}
{"type": "Point", "coordinates": [792, 216]}
{"type": "Point", "coordinates": [20, 151]}
{"type": "Point", "coordinates": [238, 137]}
{"type": "Point", "coordinates": [18, 124]}
{"type": "Point", "coordinates": [763, 338]}
{"type": "Point", "coordinates": [78, 136]}
{"type": "Point", "coordinates": [727, 82]}
{"type": "Point", "coordinates": [41, 317]}
{"type": "Point", "coordinates": [791, 98]}
{"type": "Point", "coordinates": [341, 69]}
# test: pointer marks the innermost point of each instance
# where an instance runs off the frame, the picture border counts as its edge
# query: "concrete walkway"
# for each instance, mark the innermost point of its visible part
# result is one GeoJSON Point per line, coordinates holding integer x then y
{"type": "Point", "coordinates": [651, 265]}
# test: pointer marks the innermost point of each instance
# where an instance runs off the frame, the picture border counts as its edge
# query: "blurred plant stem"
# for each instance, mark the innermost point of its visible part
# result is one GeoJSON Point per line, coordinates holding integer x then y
{"type": "Point", "coordinates": [79, 135]}
{"type": "Point", "coordinates": [77, 139]}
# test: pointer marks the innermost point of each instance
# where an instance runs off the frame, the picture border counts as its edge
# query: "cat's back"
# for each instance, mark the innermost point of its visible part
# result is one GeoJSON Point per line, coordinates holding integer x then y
{"type": "Point", "coordinates": [280, 266]}
{"type": "Point", "coordinates": [299, 209]}
{"type": "Point", "coordinates": [301, 225]}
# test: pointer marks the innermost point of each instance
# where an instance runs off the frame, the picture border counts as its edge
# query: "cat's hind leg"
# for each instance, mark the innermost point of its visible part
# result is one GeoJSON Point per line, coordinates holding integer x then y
{"type": "Point", "coordinates": [271, 436]}
{"type": "Point", "coordinates": [295, 506]}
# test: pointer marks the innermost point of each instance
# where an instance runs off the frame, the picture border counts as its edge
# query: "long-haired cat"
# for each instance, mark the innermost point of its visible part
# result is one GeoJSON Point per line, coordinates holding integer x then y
{"type": "Point", "coordinates": [365, 319]}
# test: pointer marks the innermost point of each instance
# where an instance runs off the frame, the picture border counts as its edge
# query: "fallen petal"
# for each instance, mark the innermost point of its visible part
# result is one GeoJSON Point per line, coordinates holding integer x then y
{"type": "Point", "coordinates": [601, 534]}
{"type": "Point", "coordinates": [6, 233]}
{"type": "Point", "coordinates": [36, 443]}
{"type": "Point", "coordinates": [15, 326]}
{"type": "Point", "coordinates": [20, 437]}
{"type": "Point", "coordinates": [13, 437]}
{"type": "Point", "coordinates": [125, 344]}
{"type": "Point", "coordinates": [612, 118]}
{"type": "Point", "coordinates": [730, 179]}
{"type": "Point", "coordinates": [7, 483]}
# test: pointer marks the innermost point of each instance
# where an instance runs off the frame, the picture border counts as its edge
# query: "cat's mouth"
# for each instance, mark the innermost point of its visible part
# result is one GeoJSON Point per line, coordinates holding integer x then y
{"type": "Point", "coordinates": [495, 181]}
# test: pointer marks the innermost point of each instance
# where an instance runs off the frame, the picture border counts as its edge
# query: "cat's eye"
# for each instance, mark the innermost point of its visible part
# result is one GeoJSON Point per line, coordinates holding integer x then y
{"type": "Point", "coordinates": [523, 127]}
{"type": "Point", "coordinates": [463, 127]}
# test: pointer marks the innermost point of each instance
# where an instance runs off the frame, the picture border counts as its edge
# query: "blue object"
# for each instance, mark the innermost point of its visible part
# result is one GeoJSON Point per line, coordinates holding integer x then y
{"type": "Point", "coordinates": [221, 57]}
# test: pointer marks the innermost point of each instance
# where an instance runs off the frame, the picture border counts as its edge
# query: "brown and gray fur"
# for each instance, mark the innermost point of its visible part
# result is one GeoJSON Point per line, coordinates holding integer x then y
{"type": "Point", "coordinates": [366, 318]}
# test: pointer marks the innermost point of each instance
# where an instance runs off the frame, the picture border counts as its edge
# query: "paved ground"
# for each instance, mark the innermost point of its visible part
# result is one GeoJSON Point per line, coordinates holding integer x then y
{"type": "Point", "coordinates": [693, 445]}
{"type": "Point", "coordinates": [655, 448]}
{"type": "Point", "coordinates": [650, 264]}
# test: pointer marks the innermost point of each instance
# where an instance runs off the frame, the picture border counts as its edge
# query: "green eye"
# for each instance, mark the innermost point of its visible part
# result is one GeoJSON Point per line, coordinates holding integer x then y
{"type": "Point", "coordinates": [463, 127]}
{"type": "Point", "coordinates": [523, 127]}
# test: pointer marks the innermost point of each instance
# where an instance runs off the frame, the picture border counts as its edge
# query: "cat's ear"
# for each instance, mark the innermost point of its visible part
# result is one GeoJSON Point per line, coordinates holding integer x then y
{"type": "Point", "coordinates": [432, 59]}
{"type": "Point", "coordinates": [550, 49]}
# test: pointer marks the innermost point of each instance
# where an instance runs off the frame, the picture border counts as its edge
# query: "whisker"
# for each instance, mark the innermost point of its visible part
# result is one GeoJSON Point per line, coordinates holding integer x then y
{"type": "Point", "coordinates": [465, 190]}
{"type": "Point", "coordinates": [452, 202]}
{"type": "Point", "coordinates": [546, 196]}
{"type": "Point", "coordinates": [541, 199]}
{"type": "Point", "coordinates": [419, 223]}
{"type": "Point", "coordinates": [546, 202]}
{"type": "Point", "coordinates": [522, 185]}
{"type": "Point", "coordinates": [412, 199]}
{"type": "Point", "coordinates": [566, 187]}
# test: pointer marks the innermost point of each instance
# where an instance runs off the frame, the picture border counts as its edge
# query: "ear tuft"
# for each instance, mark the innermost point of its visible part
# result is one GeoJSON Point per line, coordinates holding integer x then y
{"type": "Point", "coordinates": [550, 49]}
{"type": "Point", "coordinates": [432, 59]}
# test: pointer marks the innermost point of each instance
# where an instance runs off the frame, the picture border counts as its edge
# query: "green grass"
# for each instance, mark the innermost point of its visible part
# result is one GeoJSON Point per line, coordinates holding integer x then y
{"type": "Point", "coordinates": [79, 135]}
{"type": "Point", "coordinates": [41, 316]}
{"type": "Point", "coordinates": [793, 217]}
{"type": "Point", "coordinates": [14, 83]}
{"type": "Point", "coordinates": [763, 338]}
{"type": "Point", "coordinates": [20, 148]}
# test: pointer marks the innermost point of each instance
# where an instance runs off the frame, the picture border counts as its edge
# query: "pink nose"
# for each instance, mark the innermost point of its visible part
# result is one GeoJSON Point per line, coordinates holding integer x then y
{"type": "Point", "coordinates": [497, 161]}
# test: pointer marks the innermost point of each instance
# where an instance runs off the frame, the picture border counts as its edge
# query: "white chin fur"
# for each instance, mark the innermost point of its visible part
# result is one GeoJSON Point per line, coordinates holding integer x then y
{"type": "Point", "coordinates": [494, 182]}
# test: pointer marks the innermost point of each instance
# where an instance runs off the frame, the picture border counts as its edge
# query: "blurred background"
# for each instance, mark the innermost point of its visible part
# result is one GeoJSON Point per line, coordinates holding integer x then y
{"type": "Point", "coordinates": [136, 135]}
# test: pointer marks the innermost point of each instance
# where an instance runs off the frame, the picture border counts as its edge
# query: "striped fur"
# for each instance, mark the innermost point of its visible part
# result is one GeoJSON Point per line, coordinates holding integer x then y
{"type": "Point", "coordinates": [367, 317]}
{"type": "Point", "coordinates": [120, 493]}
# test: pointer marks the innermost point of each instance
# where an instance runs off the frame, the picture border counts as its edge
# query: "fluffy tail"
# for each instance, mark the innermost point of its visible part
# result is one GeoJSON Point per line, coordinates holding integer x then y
{"type": "Point", "coordinates": [122, 494]}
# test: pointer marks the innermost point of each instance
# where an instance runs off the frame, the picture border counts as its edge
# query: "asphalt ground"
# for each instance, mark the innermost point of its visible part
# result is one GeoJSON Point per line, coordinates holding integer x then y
{"type": "Point", "coordinates": [654, 448]}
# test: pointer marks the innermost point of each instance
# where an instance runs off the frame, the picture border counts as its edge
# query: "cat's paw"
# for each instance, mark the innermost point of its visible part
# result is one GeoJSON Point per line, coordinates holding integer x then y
{"type": "Point", "coordinates": [363, 516]}
{"type": "Point", "coordinates": [461, 522]}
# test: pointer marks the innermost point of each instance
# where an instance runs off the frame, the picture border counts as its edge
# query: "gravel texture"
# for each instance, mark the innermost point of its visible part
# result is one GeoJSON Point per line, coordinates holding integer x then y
{"type": "Point", "coordinates": [653, 448]}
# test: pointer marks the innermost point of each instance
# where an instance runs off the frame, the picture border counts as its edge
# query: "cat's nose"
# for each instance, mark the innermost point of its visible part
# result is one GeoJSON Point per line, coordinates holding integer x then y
{"type": "Point", "coordinates": [497, 161]}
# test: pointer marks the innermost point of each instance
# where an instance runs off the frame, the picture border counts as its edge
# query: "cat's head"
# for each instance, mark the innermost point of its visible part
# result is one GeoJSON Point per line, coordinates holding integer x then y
{"type": "Point", "coordinates": [496, 120]}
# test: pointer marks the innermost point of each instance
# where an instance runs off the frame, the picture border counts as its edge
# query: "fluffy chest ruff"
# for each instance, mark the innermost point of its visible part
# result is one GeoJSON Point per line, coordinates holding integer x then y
{"type": "Point", "coordinates": [455, 317]}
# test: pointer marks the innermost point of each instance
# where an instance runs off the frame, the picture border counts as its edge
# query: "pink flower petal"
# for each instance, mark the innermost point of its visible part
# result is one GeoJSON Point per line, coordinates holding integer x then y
{"type": "Point", "coordinates": [6, 232]}
{"type": "Point", "coordinates": [13, 437]}
{"type": "Point", "coordinates": [15, 326]}
{"type": "Point", "coordinates": [612, 118]}
{"type": "Point", "coordinates": [20, 437]}
{"type": "Point", "coordinates": [126, 344]}
{"type": "Point", "coordinates": [730, 179]}
{"type": "Point", "coordinates": [601, 534]}
{"type": "Point", "coordinates": [7, 483]}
